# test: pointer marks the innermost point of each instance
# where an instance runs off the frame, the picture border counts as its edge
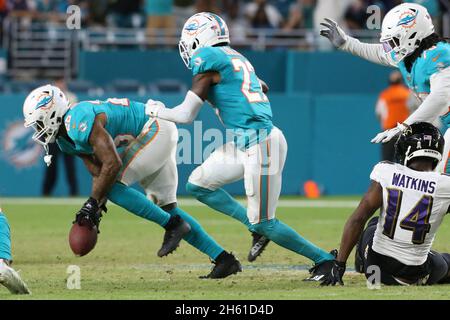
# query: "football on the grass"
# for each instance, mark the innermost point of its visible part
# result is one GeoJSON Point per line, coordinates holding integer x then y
{"type": "Point", "coordinates": [82, 238]}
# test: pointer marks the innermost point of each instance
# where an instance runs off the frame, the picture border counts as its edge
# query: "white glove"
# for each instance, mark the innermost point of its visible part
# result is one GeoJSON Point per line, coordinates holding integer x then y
{"type": "Point", "coordinates": [153, 107]}
{"type": "Point", "coordinates": [334, 33]}
{"type": "Point", "coordinates": [387, 135]}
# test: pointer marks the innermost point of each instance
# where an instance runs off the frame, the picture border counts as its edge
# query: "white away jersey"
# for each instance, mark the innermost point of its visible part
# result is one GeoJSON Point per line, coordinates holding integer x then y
{"type": "Point", "coordinates": [414, 205]}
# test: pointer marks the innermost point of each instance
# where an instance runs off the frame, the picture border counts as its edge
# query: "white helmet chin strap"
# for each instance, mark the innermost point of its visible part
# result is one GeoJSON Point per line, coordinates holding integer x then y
{"type": "Point", "coordinates": [48, 157]}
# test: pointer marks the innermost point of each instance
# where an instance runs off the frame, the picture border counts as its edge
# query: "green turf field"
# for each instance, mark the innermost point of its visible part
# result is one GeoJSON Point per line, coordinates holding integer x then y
{"type": "Point", "coordinates": [124, 264]}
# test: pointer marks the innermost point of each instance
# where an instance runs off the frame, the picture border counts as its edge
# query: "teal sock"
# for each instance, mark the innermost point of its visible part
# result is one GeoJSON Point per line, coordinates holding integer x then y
{"type": "Point", "coordinates": [288, 238]}
{"type": "Point", "coordinates": [137, 203]}
{"type": "Point", "coordinates": [198, 237]}
{"type": "Point", "coordinates": [220, 200]}
{"type": "Point", "coordinates": [5, 238]}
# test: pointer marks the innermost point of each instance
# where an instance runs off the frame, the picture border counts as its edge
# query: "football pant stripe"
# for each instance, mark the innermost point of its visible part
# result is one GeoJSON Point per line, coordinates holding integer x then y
{"type": "Point", "coordinates": [136, 146]}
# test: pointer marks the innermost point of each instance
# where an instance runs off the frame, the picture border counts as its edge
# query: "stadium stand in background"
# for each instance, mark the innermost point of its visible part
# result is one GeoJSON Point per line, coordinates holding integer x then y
{"type": "Point", "coordinates": [128, 48]}
{"type": "Point", "coordinates": [37, 46]}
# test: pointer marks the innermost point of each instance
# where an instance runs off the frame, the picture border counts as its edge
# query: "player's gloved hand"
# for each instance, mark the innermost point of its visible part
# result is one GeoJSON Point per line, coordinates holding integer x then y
{"type": "Point", "coordinates": [91, 213]}
{"type": "Point", "coordinates": [334, 33]}
{"type": "Point", "coordinates": [387, 135]}
{"type": "Point", "coordinates": [153, 107]}
{"type": "Point", "coordinates": [335, 274]}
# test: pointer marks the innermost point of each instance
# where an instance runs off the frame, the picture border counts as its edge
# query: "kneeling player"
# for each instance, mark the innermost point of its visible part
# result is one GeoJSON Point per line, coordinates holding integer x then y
{"type": "Point", "coordinates": [413, 200]}
{"type": "Point", "coordinates": [98, 131]}
{"type": "Point", "coordinates": [8, 276]}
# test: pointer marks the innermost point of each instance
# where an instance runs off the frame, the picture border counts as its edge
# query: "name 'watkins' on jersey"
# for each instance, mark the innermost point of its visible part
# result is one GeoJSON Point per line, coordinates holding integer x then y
{"type": "Point", "coordinates": [414, 205]}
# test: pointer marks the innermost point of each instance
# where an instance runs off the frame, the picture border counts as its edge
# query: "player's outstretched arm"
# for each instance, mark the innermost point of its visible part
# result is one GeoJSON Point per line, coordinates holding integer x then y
{"type": "Point", "coordinates": [437, 102]}
{"type": "Point", "coordinates": [340, 40]}
{"type": "Point", "coordinates": [104, 171]}
{"type": "Point", "coordinates": [106, 154]}
{"type": "Point", "coordinates": [187, 111]}
{"type": "Point", "coordinates": [354, 226]}
{"type": "Point", "coordinates": [372, 200]}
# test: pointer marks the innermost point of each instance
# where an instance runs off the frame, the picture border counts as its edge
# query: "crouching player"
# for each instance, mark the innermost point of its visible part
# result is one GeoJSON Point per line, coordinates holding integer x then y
{"type": "Point", "coordinates": [414, 200]}
{"type": "Point", "coordinates": [98, 131]}
{"type": "Point", "coordinates": [8, 276]}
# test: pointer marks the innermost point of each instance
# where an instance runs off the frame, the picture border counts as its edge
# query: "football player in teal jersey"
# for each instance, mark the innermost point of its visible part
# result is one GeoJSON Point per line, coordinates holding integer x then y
{"type": "Point", "coordinates": [8, 276]}
{"type": "Point", "coordinates": [257, 152]}
{"type": "Point", "coordinates": [121, 145]}
{"type": "Point", "coordinates": [408, 42]}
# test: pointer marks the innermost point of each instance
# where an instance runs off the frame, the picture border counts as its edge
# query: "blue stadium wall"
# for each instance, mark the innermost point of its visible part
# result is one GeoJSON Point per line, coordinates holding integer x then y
{"type": "Point", "coordinates": [323, 102]}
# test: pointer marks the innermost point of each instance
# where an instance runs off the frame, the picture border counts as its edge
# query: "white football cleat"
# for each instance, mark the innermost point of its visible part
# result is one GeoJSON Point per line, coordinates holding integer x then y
{"type": "Point", "coordinates": [11, 280]}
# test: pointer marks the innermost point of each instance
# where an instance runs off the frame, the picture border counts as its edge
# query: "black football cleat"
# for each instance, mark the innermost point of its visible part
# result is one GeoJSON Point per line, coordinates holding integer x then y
{"type": "Point", "coordinates": [225, 265]}
{"type": "Point", "coordinates": [319, 270]}
{"type": "Point", "coordinates": [176, 229]}
{"type": "Point", "coordinates": [259, 243]}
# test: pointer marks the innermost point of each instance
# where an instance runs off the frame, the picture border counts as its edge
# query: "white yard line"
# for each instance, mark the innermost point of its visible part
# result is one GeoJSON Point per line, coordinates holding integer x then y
{"type": "Point", "coordinates": [258, 267]}
{"type": "Point", "coordinates": [287, 203]}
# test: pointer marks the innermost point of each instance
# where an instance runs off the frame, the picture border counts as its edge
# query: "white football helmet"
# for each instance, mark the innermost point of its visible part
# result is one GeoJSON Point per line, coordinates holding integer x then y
{"type": "Point", "coordinates": [403, 29]}
{"type": "Point", "coordinates": [43, 110]}
{"type": "Point", "coordinates": [202, 30]}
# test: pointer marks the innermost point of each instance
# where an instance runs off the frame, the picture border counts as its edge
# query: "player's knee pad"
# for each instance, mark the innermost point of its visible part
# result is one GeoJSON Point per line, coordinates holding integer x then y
{"type": "Point", "coordinates": [438, 267]}
{"type": "Point", "coordinates": [446, 257]}
{"type": "Point", "coordinates": [196, 190]}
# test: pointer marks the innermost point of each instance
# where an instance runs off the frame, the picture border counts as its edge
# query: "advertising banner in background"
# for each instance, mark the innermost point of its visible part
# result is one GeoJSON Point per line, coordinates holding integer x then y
{"type": "Point", "coordinates": [321, 145]}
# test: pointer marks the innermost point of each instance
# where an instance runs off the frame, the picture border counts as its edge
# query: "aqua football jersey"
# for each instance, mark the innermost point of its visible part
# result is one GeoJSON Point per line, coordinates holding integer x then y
{"type": "Point", "coordinates": [238, 99]}
{"type": "Point", "coordinates": [432, 60]}
{"type": "Point", "coordinates": [125, 120]}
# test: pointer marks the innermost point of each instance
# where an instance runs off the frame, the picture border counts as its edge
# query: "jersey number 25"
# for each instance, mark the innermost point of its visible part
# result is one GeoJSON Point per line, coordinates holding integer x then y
{"type": "Point", "coordinates": [248, 70]}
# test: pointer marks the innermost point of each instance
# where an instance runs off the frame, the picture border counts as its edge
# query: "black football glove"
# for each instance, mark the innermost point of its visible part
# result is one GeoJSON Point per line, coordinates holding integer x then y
{"type": "Point", "coordinates": [335, 274]}
{"type": "Point", "coordinates": [91, 213]}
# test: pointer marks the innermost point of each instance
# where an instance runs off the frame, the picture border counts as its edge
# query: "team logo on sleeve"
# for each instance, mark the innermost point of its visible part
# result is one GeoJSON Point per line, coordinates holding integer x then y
{"type": "Point", "coordinates": [198, 61]}
{"type": "Point", "coordinates": [82, 127]}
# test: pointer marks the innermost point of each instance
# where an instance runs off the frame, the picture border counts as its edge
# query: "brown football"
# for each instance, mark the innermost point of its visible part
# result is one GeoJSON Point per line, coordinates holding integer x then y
{"type": "Point", "coordinates": [82, 238]}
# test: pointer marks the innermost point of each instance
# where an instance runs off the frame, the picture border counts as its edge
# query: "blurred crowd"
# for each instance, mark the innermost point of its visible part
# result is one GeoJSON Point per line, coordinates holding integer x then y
{"type": "Point", "coordinates": [240, 14]}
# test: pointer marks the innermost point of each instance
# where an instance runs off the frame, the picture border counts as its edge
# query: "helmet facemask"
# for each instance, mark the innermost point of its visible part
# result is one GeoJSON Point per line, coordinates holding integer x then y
{"type": "Point", "coordinates": [187, 50]}
{"type": "Point", "coordinates": [44, 134]}
{"type": "Point", "coordinates": [396, 44]}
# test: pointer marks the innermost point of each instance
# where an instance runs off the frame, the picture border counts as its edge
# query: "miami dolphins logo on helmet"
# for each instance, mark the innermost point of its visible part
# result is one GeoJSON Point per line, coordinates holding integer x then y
{"type": "Point", "coordinates": [193, 27]}
{"type": "Point", "coordinates": [408, 19]}
{"type": "Point", "coordinates": [44, 100]}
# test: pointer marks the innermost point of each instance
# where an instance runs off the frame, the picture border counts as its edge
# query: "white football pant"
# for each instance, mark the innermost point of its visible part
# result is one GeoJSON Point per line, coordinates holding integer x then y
{"type": "Point", "coordinates": [261, 167]}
